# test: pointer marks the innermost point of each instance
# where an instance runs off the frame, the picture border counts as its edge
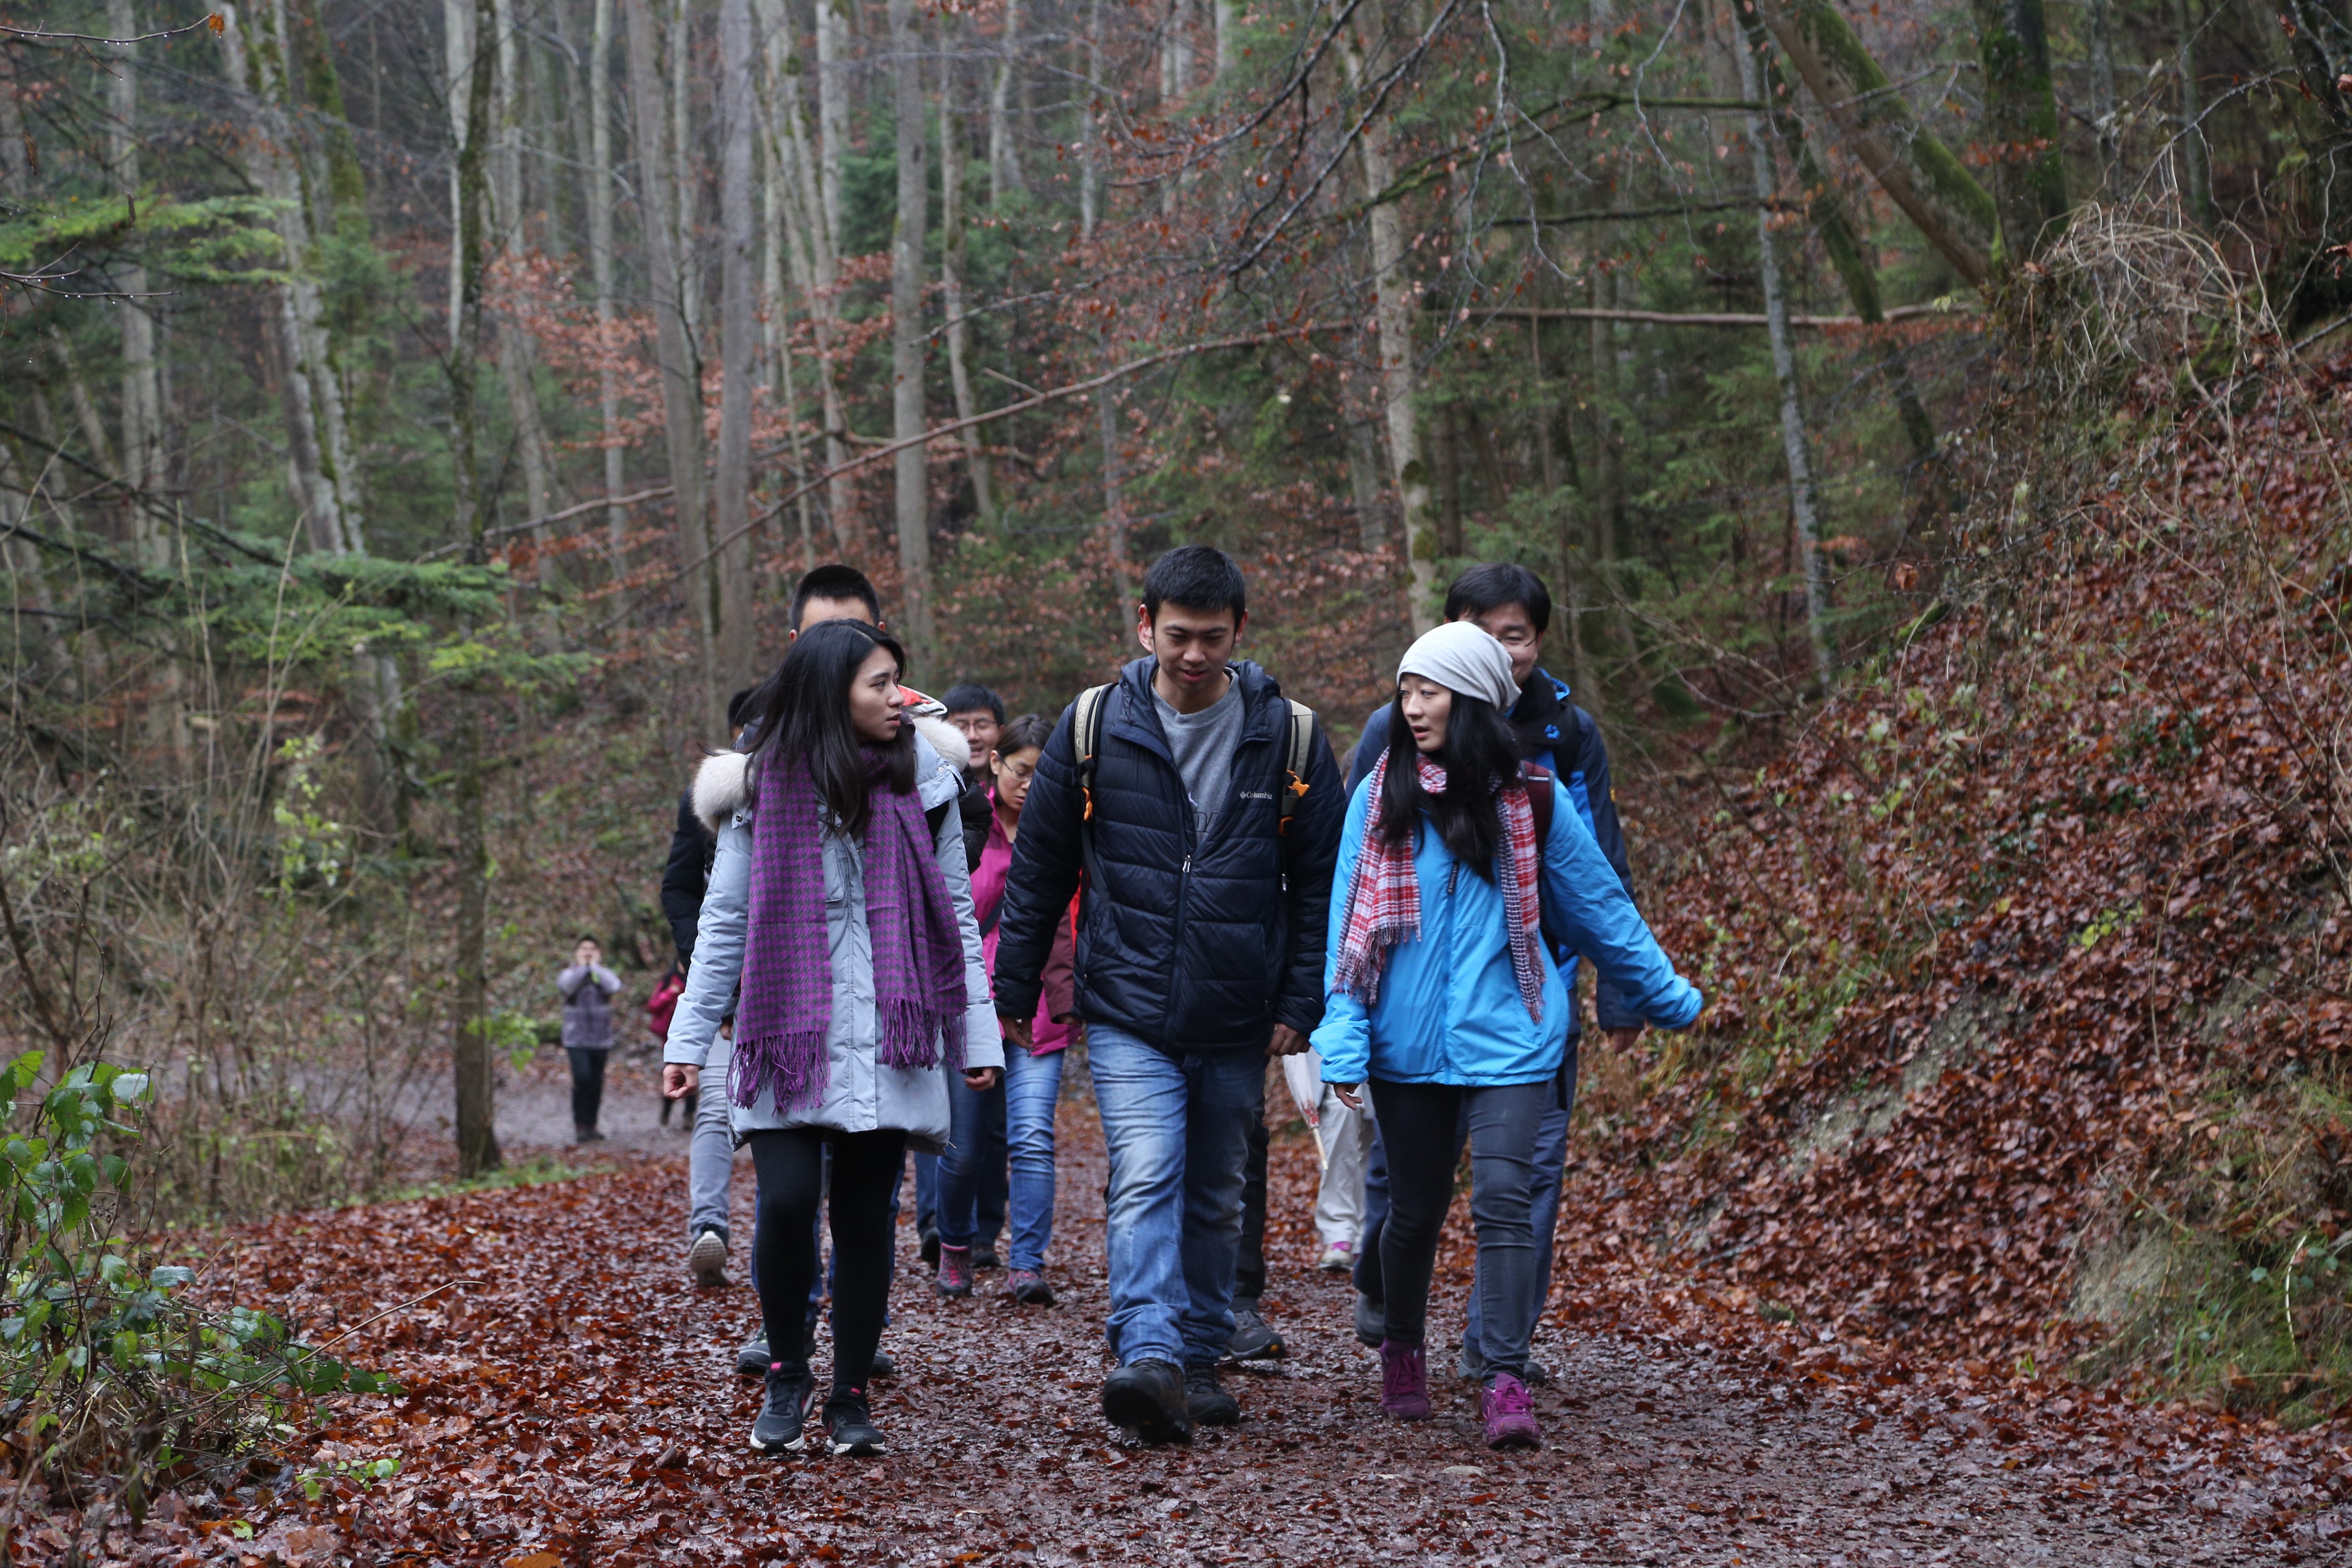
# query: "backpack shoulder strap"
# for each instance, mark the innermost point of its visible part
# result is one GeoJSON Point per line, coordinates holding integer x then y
{"type": "Point", "coordinates": [1302, 741]}
{"type": "Point", "coordinates": [1540, 800]}
{"type": "Point", "coordinates": [1086, 735]}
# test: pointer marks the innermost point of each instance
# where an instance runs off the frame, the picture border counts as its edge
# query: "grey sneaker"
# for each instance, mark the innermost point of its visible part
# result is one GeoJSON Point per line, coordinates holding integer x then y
{"type": "Point", "coordinates": [752, 1358]}
{"type": "Point", "coordinates": [1253, 1338]}
{"type": "Point", "coordinates": [1372, 1321]}
{"type": "Point", "coordinates": [707, 1258]}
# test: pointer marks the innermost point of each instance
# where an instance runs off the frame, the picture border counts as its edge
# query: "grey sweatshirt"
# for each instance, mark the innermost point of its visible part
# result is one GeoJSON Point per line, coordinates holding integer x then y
{"type": "Point", "coordinates": [1204, 744]}
{"type": "Point", "coordinates": [587, 995]}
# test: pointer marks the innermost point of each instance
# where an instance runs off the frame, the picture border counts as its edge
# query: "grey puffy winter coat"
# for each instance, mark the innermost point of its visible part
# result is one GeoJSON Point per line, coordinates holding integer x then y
{"type": "Point", "coordinates": [861, 1095]}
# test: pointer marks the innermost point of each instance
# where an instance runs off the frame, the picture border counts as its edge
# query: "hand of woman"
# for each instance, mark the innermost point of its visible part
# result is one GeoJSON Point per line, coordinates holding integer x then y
{"type": "Point", "coordinates": [678, 1080]}
{"type": "Point", "coordinates": [980, 1081]}
{"type": "Point", "coordinates": [1349, 1093]}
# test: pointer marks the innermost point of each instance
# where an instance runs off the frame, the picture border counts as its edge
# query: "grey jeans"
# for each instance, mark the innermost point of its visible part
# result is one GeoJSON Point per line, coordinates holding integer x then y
{"type": "Point", "coordinates": [710, 1155]}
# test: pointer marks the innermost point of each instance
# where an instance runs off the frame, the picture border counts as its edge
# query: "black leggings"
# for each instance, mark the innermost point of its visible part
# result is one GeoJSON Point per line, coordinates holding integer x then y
{"type": "Point", "coordinates": [587, 1086]}
{"type": "Point", "coordinates": [790, 1166]}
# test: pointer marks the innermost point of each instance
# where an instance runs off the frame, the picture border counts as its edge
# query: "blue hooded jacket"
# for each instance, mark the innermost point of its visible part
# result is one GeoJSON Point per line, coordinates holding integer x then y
{"type": "Point", "coordinates": [1449, 1009]}
{"type": "Point", "coordinates": [1558, 735]}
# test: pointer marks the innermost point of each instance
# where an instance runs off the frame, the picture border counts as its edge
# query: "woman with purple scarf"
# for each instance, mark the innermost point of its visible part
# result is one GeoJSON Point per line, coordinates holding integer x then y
{"type": "Point", "coordinates": [841, 900]}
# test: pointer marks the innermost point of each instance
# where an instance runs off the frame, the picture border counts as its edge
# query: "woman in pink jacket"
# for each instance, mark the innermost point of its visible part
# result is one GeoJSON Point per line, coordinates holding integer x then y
{"type": "Point", "coordinates": [1033, 1076]}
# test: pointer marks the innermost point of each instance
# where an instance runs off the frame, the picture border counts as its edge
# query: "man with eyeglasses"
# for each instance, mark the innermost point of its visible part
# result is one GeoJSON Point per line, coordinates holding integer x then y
{"type": "Point", "coordinates": [1512, 605]}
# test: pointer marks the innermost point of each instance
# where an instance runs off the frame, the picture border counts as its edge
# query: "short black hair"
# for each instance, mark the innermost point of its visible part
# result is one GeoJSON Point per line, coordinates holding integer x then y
{"type": "Point", "coordinates": [971, 696]}
{"type": "Point", "coordinates": [835, 581]}
{"type": "Point", "coordinates": [1197, 577]}
{"type": "Point", "coordinates": [1491, 585]}
{"type": "Point", "coordinates": [735, 704]}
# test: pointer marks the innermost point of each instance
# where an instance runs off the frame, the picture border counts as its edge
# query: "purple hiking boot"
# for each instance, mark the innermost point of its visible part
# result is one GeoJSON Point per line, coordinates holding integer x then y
{"type": "Point", "coordinates": [955, 1271]}
{"type": "Point", "coordinates": [1404, 1381]}
{"type": "Point", "coordinates": [1509, 1414]}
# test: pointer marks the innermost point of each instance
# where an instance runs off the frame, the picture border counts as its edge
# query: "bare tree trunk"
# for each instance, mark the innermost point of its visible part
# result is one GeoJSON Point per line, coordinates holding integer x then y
{"type": "Point", "coordinates": [1918, 173]}
{"type": "Point", "coordinates": [143, 466]}
{"type": "Point", "coordinates": [738, 345]}
{"type": "Point", "coordinates": [1003, 158]}
{"type": "Point", "coordinates": [684, 188]}
{"type": "Point", "coordinates": [599, 262]}
{"type": "Point", "coordinates": [1804, 499]}
{"type": "Point", "coordinates": [1392, 322]}
{"type": "Point", "coordinates": [478, 1139]}
{"type": "Point", "coordinates": [952, 162]}
{"type": "Point", "coordinates": [319, 444]}
{"type": "Point", "coordinates": [1229, 28]}
{"type": "Point", "coordinates": [2196, 162]}
{"type": "Point", "coordinates": [913, 467]}
{"type": "Point", "coordinates": [2098, 24]}
{"type": "Point", "coordinates": [783, 248]}
{"type": "Point", "coordinates": [680, 368]}
{"type": "Point", "coordinates": [824, 182]}
{"type": "Point", "coordinates": [1106, 399]}
{"type": "Point", "coordinates": [516, 359]}
{"type": "Point", "coordinates": [2028, 187]}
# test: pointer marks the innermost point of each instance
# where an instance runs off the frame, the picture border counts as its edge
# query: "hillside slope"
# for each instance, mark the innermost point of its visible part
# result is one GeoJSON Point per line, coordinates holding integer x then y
{"type": "Point", "coordinates": [2026, 957]}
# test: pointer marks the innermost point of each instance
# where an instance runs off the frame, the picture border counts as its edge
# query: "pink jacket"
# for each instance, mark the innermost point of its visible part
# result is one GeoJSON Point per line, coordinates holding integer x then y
{"type": "Point", "coordinates": [1060, 995]}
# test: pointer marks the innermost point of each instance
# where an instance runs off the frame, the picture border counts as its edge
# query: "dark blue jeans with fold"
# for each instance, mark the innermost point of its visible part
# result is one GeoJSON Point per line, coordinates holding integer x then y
{"type": "Point", "coordinates": [1418, 1123]}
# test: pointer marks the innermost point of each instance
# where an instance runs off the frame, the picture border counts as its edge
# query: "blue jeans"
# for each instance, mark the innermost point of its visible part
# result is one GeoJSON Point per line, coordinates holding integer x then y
{"type": "Point", "coordinates": [1177, 1128]}
{"type": "Point", "coordinates": [927, 1192]}
{"type": "Point", "coordinates": [1032, 1088]}
{"type": "Point", "coordinates": [963, 1164]}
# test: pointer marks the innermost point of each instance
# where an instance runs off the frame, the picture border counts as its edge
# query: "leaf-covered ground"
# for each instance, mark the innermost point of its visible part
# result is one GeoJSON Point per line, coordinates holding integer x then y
{"type": "Point", "coordinates": [571, 1402]}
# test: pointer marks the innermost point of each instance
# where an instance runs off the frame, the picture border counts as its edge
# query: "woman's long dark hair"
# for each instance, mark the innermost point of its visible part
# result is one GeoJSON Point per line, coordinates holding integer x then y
{"type": "Point", "coordinates": [1480, 748]}
{"type": "Point", "coordinates": [803, 714]}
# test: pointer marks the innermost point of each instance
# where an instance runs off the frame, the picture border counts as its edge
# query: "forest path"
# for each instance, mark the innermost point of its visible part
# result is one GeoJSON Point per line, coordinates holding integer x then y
{"type": "Point", "coordinates": [577, 1405]}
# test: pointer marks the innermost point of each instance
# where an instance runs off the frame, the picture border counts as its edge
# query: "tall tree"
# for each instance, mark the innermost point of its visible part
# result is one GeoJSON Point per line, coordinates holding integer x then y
{"type": "Point", "coordinates": [912, 473]}
{"type": "Point", "coordinates": [601, 270]}
{"type": "Point", "coordinates": [517, 358]}
{"type": "Point", "coordinates": [677, 363]}
{"type": "Point", "coordinates": [477, 1138]}
{"type": "Point", "coordinates": [2029, 178]}
{"type": "Point", "coordinates": [1796, 441]}
{"type": "Point", "coordinates": [738, 340]}
{"type": "Point", "coordinates": [952, 167]}
{"type": "Point", "coordinates": [1952, 212]}
{"type": "Point", "coordinates": [1393, 312]}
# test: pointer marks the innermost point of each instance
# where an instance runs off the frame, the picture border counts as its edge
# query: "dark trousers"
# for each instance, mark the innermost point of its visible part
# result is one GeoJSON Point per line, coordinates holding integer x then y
{"type": "Point", "coordinates": [587, 1085]}
{"type": "Point", "coordinates": [1552, 1152]}
{"type": "Point", "coordinates": [793, 1186]}
{"type": "Point", "coordinates": [1249, 1271]}
{"type": "Point", "coordinates": [1418, 1122]}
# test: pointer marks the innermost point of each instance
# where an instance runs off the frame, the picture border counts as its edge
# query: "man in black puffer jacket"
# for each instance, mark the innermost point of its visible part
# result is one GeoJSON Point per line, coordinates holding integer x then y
{"type": "Point", "coordinates": [1199, 954]}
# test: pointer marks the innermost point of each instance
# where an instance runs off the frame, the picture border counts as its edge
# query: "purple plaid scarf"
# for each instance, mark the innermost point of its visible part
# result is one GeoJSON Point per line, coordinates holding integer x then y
{"type": "Point", "coordinates": [787, 1001]}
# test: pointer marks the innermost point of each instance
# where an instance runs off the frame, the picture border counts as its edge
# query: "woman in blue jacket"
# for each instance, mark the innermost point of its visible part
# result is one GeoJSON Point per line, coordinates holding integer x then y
{"type": "Point", "coordinates": [1443, 993]}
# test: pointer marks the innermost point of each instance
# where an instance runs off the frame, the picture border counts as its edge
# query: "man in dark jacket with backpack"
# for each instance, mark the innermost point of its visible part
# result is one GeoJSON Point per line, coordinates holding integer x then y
{"type": "Point", "coordinates": [1512, 604]}
{"type": "Point", "coordinates": [1204, 810]}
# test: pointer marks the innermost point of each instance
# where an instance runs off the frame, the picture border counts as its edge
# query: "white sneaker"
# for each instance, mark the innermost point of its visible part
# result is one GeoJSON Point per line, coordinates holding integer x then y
{"type": "Point", "coordinates": [707, 1258]}
{"type": "Point", "coordinates": [1339, 1256]}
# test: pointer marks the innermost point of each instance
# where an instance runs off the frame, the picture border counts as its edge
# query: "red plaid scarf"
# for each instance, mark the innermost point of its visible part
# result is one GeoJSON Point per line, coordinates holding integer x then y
{"type": "Point", "coordinates": [1384, 898]}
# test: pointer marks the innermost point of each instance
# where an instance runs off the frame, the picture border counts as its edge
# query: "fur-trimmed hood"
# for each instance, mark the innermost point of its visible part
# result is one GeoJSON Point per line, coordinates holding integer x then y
{"type": "Point", "coordinates": [722, 785]}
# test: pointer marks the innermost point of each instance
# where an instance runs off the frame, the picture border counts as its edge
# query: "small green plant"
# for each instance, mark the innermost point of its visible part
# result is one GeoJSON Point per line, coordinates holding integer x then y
{"type": "Point", "coordinates": [111, 1368]}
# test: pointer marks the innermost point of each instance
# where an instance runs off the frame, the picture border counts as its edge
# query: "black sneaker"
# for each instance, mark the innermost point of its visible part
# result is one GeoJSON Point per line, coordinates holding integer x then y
{"type": "Point", "coordinates": [883, 1365]}
{"type": "Point", "coordinates": [930, 1247]}
{"type": "Point", "coordinates": [1147, 1397]}
{"type": "Point", "coordinates": [985, 1258]}
{"type": "Point", "coordinates": [1372, 1321]}
{"type": "Point", "coordinates": [752, 1358]}
{"type": "Point", "coordinates": [1206, 1401]}
{"type": "Point", "coordinates": [784, 1417]}
{"type": "Point", "coordinates": [849, 1427]}
{"type": "Point", "coordinates": [1253, 1338]}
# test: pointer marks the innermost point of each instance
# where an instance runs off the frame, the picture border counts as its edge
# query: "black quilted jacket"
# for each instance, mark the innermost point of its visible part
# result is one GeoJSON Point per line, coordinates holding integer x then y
{"type": "Point", "coordinates": [1194, 946]}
